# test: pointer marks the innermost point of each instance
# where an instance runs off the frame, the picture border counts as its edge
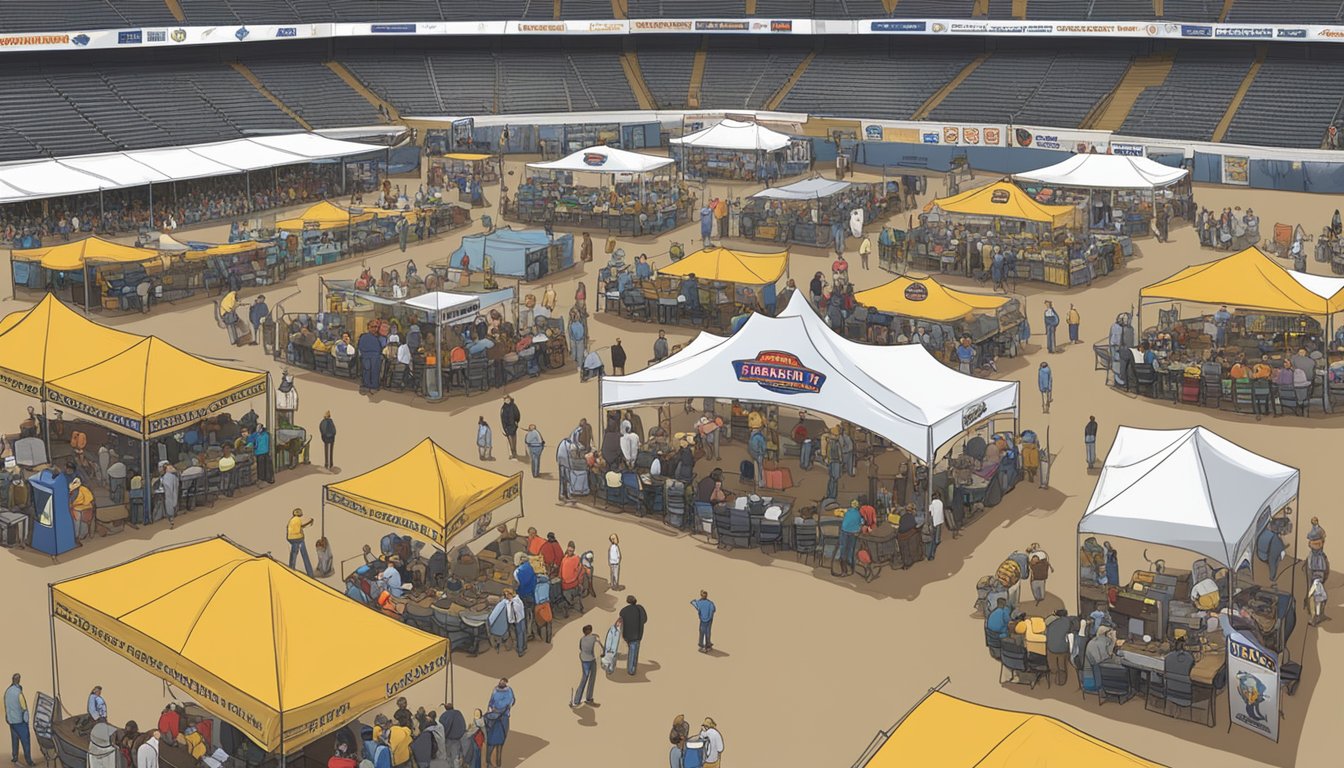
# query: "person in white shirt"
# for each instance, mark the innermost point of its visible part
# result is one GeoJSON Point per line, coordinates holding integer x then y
{"type": "Point", "coordinates": [937, 518]}
{"type": "Point", "coordinates": [614, 560]}
{"type": "Point", "coordinates": [147, 756]}
{"type": "Point", "coordinates": [391, 578]}
{"type": "Point", "coordinates": [709, 732]}
{"type": "Point", "coordinates": [515, 612]}
{"type": "Point", "coordinates": [629, 443]}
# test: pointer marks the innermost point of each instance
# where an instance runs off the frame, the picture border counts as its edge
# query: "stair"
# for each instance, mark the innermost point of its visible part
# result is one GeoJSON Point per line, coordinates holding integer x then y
{"type": "Point", "coordinates": [773, 102]}
{"type": "Point", "coordinates": [242, 69]}
{"type": "Point", "coordinates": [1143, 73]}
{"type": "Point", "coordinates": [175, 8]}
{"type": "Point", "coordinates": [1227, 8]}
{"type": "Point", "coordinates": [619, 9]}
{"type": "Point", "coordinates": [630, 65]}
{"type": "Point", "coordinates": [363, 90]}
{"type": "Point", "coordinates": [751, 7]}
{"type": "Point", "coordinates": [940, 94]}
{"type": "Point", "coordinates": [1019, 9]}
{"type": "Point", "coordinates": [1235, 104]}
{"type": "Point", "coordinates": [697, 74]}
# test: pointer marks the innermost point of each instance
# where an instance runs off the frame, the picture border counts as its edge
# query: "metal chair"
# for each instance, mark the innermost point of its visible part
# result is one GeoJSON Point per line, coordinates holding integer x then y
{"type": "Point", "coordinates": [723, 526]}
{"type": "Point", "coordinates": [674, 503]}
{"type": "Point", "coordinates": [1013, 657]}
{"type": "Point", "coordinates": [1145, 377]}
{"type": "Point", "coordinates": [704, 519]}
{"type": "Point", "coordinates": [805, 538]}
{"type": "Point", "coordinates": [739, 528]}
{"type": "Point", "coordinates": [1180, 692]}
{"type": "Point", "coordinates": [828, 531]}
{"type": "Point", "coordinates": [771, 533]}
{"type": "Point", "coordinates": [1211, 390]}
{"type": "Point", "coordinates": [994, 643]}
{"type": "Point", "coordinates": [1115, 682]}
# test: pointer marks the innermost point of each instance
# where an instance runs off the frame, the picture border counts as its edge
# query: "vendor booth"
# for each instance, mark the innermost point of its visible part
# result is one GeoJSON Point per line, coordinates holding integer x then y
{"type": "Point", "coordinates": [1253, 311]}
{"type": "Point", "coordinates": [323, 234]}
{"type": "Point", "coordinates": [900, 308]}
{"type": "Point", "coordinates": [525, 254]}
{"type": "Point", "coordinates": [219, 267]}
{"type": "Point", "coordinates": [809, 211]}
{"type": "Point", "coordinates": [714, 285]}
{"type": "Point", "coordinates": [1040, 242]}
{"type": "Point", "coordinates": [248, 641]}
{"type": "Point", "coordinates": [98, 272]}
{"type": "Point", "coordinates": [602, 188]}
{"type": "Point", "coordinates": [1190, 490]}
{"type": "Point", "coordinates": [741, 151]}
{"type": "Point", "coordinates": [467, 172]}
{"type": "Point", "coordinates": [1120, 194]}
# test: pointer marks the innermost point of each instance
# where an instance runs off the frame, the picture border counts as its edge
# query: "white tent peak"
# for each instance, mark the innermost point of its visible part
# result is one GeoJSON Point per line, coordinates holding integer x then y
{"type": "Point", "coordinates": [601, 159]}
{"type": "Point", "coordinates": [1089, 171]}
{"type": "Point", "coordinates": [735, 134]}
{"type": "Point", "coordinates": [1187, 488]}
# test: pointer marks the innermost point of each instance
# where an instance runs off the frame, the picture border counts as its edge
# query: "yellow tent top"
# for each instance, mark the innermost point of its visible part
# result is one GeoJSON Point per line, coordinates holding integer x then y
{"type": "Point", "coordinates": [951, 733]}
{"type": "Point", "coordinates": [467, 156]}
{"type": "Point", "coordinates": [410, 215]}
{"type": "Point", "coordinates": [153, 388]}
{"type": "Point", "coordinates": [225, 249]}
{"type": "Point", "coordinates": [1253, 280]}
{"type": "Point", "coordinates": [51, 340]}
{"type": "Point", "coordinates": [74, 255]}
{"type": "Point", "coordinates": [426, 491]}
{"type": "Point", "coordinates": [253, 642]}
{"type": "Point", "coordinates": [926, 298]}
{"type": "Point", "coordinates": [323, 215]}
{"type": "Point", "coordinates": [1007, 201]}
{"type": "Point", "coordinates": [728, 266]}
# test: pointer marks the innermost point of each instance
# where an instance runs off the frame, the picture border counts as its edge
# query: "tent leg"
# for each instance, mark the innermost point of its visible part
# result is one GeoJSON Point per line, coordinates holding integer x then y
{"type": "Point", "coordinates": [151, 204]}
{"type": "Point", "coordinates": [46, 429]}
{"type": "Point", "coordinates": [146, 483]}
{"type": "Point", "coordinates": [55, 666]}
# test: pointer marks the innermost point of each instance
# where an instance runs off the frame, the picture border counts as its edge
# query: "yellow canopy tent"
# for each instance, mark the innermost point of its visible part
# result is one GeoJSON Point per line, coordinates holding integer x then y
{"type": "Point", "coordinates": [1007, 201]}
{"type": "Point", "coordinates": [248, 639]}
{"type": "Point", "coordinates": [68, 257]}
{"type": "Point", "coordinates": [728, 266]}
{"type": "Point", "coordinates": [426, 492]}
{"type": "Point", "coordinates": [926, 298]}
{"type": "Point", "coordinates": [153, 388]}
{"type": "Point", "coordinates": [225, 249]}
{"type": "Point", "coordinates": [323, 215]}
{"type": "Point", "coordinates": [411, 216]}
{"type": "Point", "coordinates": [951, 733]}
{"type": "Point", "coordinates": [1253, 280]}
{"type": "Point", "coordinates": [468, 157]}
{"type": "Point", "coordinates": [49, 341]}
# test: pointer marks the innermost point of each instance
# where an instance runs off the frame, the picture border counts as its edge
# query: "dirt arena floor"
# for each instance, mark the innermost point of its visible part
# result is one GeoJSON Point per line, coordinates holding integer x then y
{"type": "Point", "coordinates": [807, 668]}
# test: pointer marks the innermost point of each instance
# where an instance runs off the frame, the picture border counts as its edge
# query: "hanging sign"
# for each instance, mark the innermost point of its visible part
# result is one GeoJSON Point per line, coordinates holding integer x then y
{"type": "Point", "coordinates": [779, 372]}
{"type": "Point", "coordinates": [1254, 676]}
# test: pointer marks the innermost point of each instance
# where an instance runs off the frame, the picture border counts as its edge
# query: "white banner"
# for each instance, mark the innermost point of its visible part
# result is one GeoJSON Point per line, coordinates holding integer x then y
{"type": "Point", "coordinates": [1060, 140]}
{"type": "Point", "coordinates": [1253, 684]}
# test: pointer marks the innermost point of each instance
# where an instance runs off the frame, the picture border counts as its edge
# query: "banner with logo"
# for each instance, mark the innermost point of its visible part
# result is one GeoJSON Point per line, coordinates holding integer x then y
{"type": "Point", "coordinates": [1253, 684]}
{"type": "Point", "coordinates": [1236, 170]}
{"type": "Point", "coordinates": [1059, 140]}
{"type": "Point", "coordinates": [910, 132]}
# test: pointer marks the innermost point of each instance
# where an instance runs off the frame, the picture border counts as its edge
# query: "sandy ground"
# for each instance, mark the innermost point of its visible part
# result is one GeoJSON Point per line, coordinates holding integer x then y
{"type": "Point", "coordinates": [807, 668]}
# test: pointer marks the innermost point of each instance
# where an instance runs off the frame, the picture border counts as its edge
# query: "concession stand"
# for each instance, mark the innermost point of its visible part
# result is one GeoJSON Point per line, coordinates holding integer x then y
{"type": "Point", "coordinates": [740, 151]}
{"type": "Point", "coordinates": [603, 188]}
{"type": "Point", "coordinates": [807, 211]}
{"type": "Point", "coordinates": [725, 284]}
{"type": "Point", "coordinates": [902, 306]}
{"type": "Point", "coordinates": [467, 172]}
{"type": "Point", "coordinates": [1116, 193]}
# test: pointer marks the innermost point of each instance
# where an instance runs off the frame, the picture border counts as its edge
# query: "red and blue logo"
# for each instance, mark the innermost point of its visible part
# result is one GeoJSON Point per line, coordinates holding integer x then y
{"type": "Point", "coordinates": [595, 159]}
{"type": "Point", "coordinates": [779, 372]}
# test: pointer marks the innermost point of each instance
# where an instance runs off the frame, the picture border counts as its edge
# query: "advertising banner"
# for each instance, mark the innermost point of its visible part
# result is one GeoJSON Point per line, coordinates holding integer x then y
{"type": "Point", "coordinates": [1253, 690]}
{"type": "Point", "coordinates": [1236, 170]}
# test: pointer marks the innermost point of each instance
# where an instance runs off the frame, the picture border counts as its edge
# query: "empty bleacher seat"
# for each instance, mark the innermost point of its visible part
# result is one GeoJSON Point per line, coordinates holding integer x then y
{"type": "Point", "coordinates": [1194, 97]}
{"type": "Point", "coordinates": [744, 74]}
{"type": "Point", "coordinates": [876, 78]}
{"type": "Point", "coordinates": [1292, 101]}
{"type": "Point", "coordinates": [314, 92]}
{"type": "Point", "coordinates": [666, 64]}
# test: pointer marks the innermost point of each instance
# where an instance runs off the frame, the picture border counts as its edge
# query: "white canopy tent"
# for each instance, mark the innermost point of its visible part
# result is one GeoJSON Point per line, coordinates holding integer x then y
{"type": "Point", "coordinates": [1187, 488]}
{"type": "Point", "coordinates": [445, 306]}
{"type": "Point", "coordinates": [901, 393]}
{"type": "Point", "coordinates": [606, 160]}
{"type": "Point", "coordinates": [735, 135]}
{"type": "Point", "coordinates": [807, 189]}
{"type": "Point", "coordinates": [1105, 172]}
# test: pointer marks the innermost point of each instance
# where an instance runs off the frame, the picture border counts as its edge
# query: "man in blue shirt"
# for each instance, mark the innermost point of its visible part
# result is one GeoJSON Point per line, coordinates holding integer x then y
{"type": "Point", "coordinates": [999, 619]}
{"type": "Point", "coordinates": [16, 717]}
{"type": "Point", "coordinates": [965, 356]}
{"type": "Point", "coordinates": [756, 447]}
{"type": "Point", "coordinates": [1051, 325]}
{"type": "Point", "coordinates": [577, 338]}
{"type": "Point", "coordinates": [257, 315]}
{"type": "Point", "coordinates": [850, 525]}
{"type": "Point", "coordinates": [1220, 320]}
{"type": "Point", "coordinates": [526, 579]}
{"type": "Point", "coordinates": [97, 705]}
{"type": "Point", "coordinates": [1045, 380]}
{"type": "Point", "coordinates": [704, 608]}
{"type": "Point", "coordinates": [370, 350]}
{"type": "Point", "coordinates": [260, 441]}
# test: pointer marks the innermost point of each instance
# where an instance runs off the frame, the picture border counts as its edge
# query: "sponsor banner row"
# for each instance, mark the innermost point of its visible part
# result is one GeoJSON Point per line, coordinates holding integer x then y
{"type": "Point", "coordinates": [990, 135]}
{"type": "Point", "coordinates": [1156, 29]}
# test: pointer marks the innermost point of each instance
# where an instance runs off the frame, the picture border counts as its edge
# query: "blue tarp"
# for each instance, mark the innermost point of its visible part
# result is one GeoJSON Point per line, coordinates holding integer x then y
{"type": "Point", "coordinates": [509, 248]}
{"type": "Point", "coordinates": [937, 157]}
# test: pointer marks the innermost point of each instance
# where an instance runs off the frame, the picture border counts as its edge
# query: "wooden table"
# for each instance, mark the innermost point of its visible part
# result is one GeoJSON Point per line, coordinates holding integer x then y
{"type": "Point", "coordinates": [880, 544]}
{"type": "Point", "coordinates": [1209, 669]}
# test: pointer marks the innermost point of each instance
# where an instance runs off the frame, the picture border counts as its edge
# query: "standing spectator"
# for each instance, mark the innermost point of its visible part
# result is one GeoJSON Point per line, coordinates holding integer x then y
{"type": "Point", "coordinates": [147, 756]}
{"type": "Point", "coordinates": [614, 560]}
{"type": "Point", "coordinates": [704, 608]}
{"type": "Point", "coordinates": [16, 715]}
{"type": "Point", "coordinates": [936, 519]}
{"type": "Point", "coordinates": [484, 440]}
{"type": "Point", "coordinates": [585, 248]}
{"type": "Point", "coordinates": [370, 351]}
{"type": "Point", "coordinates": [706, 224]}
{"type": "Point", "coordinates": [515, 611]}
{"type": "Point", "coordinates": [1221, 319]}
{"type": "Point", "coordinates": [261, 450]}
{"type": "Point", "coordinates": [865, 248]}
{"type": "Point", "coordinates": [1074, 321]}
{"type": "Point", "coordinates": [509, 416]}
{"type": "Point", "coordinates": [588, 663]}
{"type": "Point", "coordinates": [327, 429]}
{"type": "Point", "coordinates": [1058, 628]}
{"type": "Point", "coordinates": [721, 214]}
{"type": "Point", "coordinates": [850, 526]}
{"type": "Point", "coordinates": [257, 315]}
{"type": "Point", "coordinates": [578, 337]}
{"type": "Point", "coordinates": [660, 346]}
{"type": "Point", "coordinates": [1051, 325]}
{"type": "Point", "coordinates": [1038, 563]}
{"type": "Point", "coordinates": [709, 733]}
{"type": "Point", "coordinates": [1090, 441]}
{"type": "Point", "coordinates": [617, 358]}
{"type": "Point", "coordinates": [497, 716]}
{"type": "Point", "coordinates": [454, 728]}
{"type": "Point", "coordinates": [1046, 381]}
{"type": "Point", "coordinates": [97, 704]}
{"type": "Point", "coordinates": [633, 619]}
{"type": "Point", "coordinates": [535, 444]}
{"type": "Point", "coordinates": [171, 484]}
{"type": "Point", "coordinates": [294, 535]}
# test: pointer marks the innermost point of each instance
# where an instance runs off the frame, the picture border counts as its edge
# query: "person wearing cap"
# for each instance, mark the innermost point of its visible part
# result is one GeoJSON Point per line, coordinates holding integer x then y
{"type": "Point", "coordinates": [297, 546]}
{"type": "Point", "coordinates": [709, 733]}
{"type": "Point", "coordinates": [171, 483]}
{"type": "Point", "coordinates": [257, 314]}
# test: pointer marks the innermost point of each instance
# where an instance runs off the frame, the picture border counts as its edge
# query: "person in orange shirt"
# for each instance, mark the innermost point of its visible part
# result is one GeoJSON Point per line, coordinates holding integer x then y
{"type": "Point", "coordinates": [1261, 370]}
{"type": "Point", "coordinates": [721, 213]}
{"type": "Point", "coordinates": [571, 569]}
{"type": "Point", "coordinates": [1240, 369]}
{"type": "Point", "coordinates": [534, 542]}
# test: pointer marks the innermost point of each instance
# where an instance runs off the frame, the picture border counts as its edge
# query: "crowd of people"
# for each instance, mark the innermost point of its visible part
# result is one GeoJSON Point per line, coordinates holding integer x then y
{"type": "Point", "coordinates": [653, 206]}
{"type": "Point", "coordinates": [1228, 229]}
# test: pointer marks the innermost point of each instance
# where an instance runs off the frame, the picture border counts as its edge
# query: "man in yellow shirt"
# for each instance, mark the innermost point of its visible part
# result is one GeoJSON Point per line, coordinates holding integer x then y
{"type": "Point", "coordinates": [297, 546]}
{"type": "Point", "coordinates": [399, 741]}
{"type": "Point", "coordinates": [721, 213]}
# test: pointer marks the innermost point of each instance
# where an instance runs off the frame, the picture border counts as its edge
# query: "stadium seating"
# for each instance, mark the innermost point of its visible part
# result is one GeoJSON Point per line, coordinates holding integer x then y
{"type": "Point", "coordinates": [876, 79]}
{"type": "Point", "coordinates": [1278, 11]}
{"type": "Point", "coordinates": [314, 92]}
{"type": "Point", "coordinates": [1059, 10]}
{"type": "Point", "coordinates": [1192, 10]}
{"type": "Point", "coordinates": [1291, 102]}
{"type": "Point", "coordinates": [998, 88]}
{"type": "Point", "coordinates": [585, 9]}
{"type": "Point", "coordinates": [46, 16]}
{"type": "Point", "coordinates": [1194, 97]}
{"type": "Point", "coordinates": [666, 64]}
{"type": "Point", "coordinates": [687, 9]}
{"type": "Point", "coordinates": [933, 9]}
{"type": "Point", "coordinates": [744, 74]}
{"type": "Point", "coordinates": [1072, 85]}
{"type": "Point", "coordinates": [405, 80]}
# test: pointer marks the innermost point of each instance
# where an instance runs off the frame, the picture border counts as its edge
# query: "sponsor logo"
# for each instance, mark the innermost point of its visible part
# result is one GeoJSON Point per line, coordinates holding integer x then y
{"type": "Point", "coordinates": [993, 137]}
{"type": "Point", "coordinates": [1244, 33]}
{"type": "Point", "coordinates": [916, 292]}
{"type": "Point", "coordinates": [156, 36]}
{"type": "Point", "coordinates": [929, 137]}
{"type": "Point", "coordinates": [19, 40]}
{"type": "Point", "coordinates": [393, 29]}
{"type": "Point", "coordinates": [240, 34]}
{"type": "Point", "coordinates": [1023, 137]}
{"type": "Point", "coordinates": [1126, 150]}
{"type": "Point", "coordinates": [938, 27]}
{"type": "Point", "coordinates": [131, 37]}
{"type": "Point", "coordinates": [1000, 197]}
{"type": "Point", "coordinates": [287, 32]}
{"type": "Point", "coordinates": [1296, 33]}
{"type": "Point", "coordinates": [595, 159]}
{"type": "Point", "coordinates": [661, 25]}
{"type": "Point", "coordinates": [974, 28]}
{"type": "Point", "coordinates": [552, 27]}
{"type": "Point", "coordinates": [900, 26]}
{"type": "Point", "coordinates": [779, 372]}
{"type": "Point", "coordinates": [1196, 30]}
{"type": "Point", "coordinates": [605, 26]}
{"type": "Point", "coordinates": [722, 26]}
{"type": "Point", "coordinates": [970, 135]}
{"type": "Point", "coordinates": [781, 26]}
{"type": "Point", "coordinates": [951, 135]}
{"type": "Point", "coordinates": [1332, 33]}
{"type": "Point", "coordinates": [972, 413]}
{"type": "Point", "coordinates": [1151, 29]}
{"type": "Point", "coordinates": [872, 132]}
{"type": "Point", "coordinates": [1046, 141]}
{"type": "Point", "coordinates": [177, 35]}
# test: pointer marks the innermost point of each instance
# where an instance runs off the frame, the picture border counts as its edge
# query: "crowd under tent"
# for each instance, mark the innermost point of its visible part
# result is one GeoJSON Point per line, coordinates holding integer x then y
{"type": "Point", "coordinates": [323, 216]}
{"type": "Point", "coordinates": [429, 493]}
{"type": "Point", "coordinates": [248, 639]}
{"type": "Point", "coordinates": [525, 254]}
{"type": "Point", "coordinates": [804, 211]}
{"type": "Point", "coordinates": [796, 361]}
{"type": "Point", "coordinates": [604, 188]}
{"type": "Point", "coordinates": [949, 732]}
{"type": "Point", "coordinates": [925, 298]}
{"type": "Point", "coordinates": [466, 171]}
{"type": "Point", "coordinates": [1001, 201]}
{"type": "Point", "coordinates": [442, 309]}
{"type": "Point", "coordinates": [79, 263]}
{"type": "Point", "coordinates": [947, 313]}
{"type": "Point", "coordinates": [737, 149]}
{"type": "Point", "coordinates": [1110, 187]}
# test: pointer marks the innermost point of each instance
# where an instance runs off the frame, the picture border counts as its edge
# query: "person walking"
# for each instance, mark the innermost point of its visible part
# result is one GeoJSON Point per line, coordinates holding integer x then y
{"type": "Point", "coordinates": [515, 612]}
{"type": "Point", "coordinates": [1075, 320]}
{"type": "Point", "coordinates": [256, 315]}
{"type": "Point", "coordinates": [588, 663]}
{"type": "Point", "coordinates": [16, 715]}
{"type": "Point", "coordinates": [617, 358]}
{"type": "Point", "coordinates": [327, 429]}
{"type": "Point", "coordinates": [484, 440]}
{"type": "Point", "coordinates": [535, 443]}
{"type": "Point", "coordinates": [614, 560]}
{"type": "Point", "coordinates": [261, 450]}
{"type": "Point", "coordinates": [937, 518]}
{"type": "Point", "coordinates": [1051, 326]}
{"type": "Point", "coordinates": [297, 546]}
{"type": "Point", "coordinates": [1045, 380]}
{"type": "Point", "coordinates": [633, 619]}
{"type": "Point", "coordinates": [865, 249]}
{"type": "Point", "coordinates": [1090, 441]}
{"type": "Point", "coordinates": [1038, 564]}
{"type": "Point", "coordinates": [704, 608]}
{"type": "Point", "coordinates": [509, 416]}
{"type": "Point", "coordinates": [498, 714]}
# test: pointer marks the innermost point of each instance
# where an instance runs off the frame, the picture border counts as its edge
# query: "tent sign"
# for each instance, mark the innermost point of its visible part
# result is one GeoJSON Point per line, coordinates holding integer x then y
{"type": "Point", "coordinates": [916, 292]}
{"type": "Point", "coordinates": [779, 372]}
{"type": "Point", "coordinates": [595, 159]}
{"type": "Point", "coordinates": [1254, 698]}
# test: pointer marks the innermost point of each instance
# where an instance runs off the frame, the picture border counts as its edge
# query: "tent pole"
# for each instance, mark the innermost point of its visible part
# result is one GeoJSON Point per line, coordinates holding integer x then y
{"type": "Point", "coordinates": [146, 484]}
{"type": "Point", "coordinates": [55, 666]}
{"type": "Point", "coordinates": [46, 423]}
{"type": "Point", "coordinates": [87, 273]}
{"type": "Point", "coordinates": [151, 204]}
